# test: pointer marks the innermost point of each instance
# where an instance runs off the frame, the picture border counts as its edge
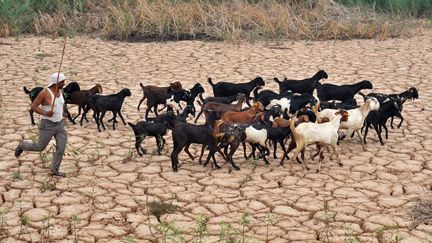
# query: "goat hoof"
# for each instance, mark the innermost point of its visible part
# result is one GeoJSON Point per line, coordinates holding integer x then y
{"type": "Point", "coordinates": [382, 143]}
{"type": "Point", "coordinates": [217, 167]}
{"type": "Point", "coordinates": [317, 171]}
{"type": "Point", "coordinates": [175, 170]}
{"type": "Point", "coordinates": [340, 164]}
{"type": "Point", "coordinates": [236, 168]}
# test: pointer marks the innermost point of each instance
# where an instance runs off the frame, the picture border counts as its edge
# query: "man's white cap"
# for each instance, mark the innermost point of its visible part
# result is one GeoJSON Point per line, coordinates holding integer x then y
{"type": "Point", "coordinates": [53, 78]}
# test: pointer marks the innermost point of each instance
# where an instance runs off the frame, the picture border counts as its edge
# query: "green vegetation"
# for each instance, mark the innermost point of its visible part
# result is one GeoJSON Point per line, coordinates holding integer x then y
{"type": "Point", "coordinates": [413, 8]}
{"type": "Point", "coordinates": [207, 19]}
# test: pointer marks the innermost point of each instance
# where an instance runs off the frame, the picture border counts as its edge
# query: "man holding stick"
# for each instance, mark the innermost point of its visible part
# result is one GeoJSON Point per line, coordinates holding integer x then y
{"type": "Point", "coordinates": [52, 123]}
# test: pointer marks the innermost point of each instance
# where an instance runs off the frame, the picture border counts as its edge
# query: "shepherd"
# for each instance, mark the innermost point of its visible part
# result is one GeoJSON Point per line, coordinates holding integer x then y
{"type": "Point", "coordinates": [52, 123]}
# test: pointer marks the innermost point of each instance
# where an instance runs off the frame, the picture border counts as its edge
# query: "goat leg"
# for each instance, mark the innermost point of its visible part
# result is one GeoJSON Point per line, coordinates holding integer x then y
{"type": "Point", "coordinates": [86, 109]}
{"type": "Point", "coordinates": [261, 149]}
{"type": "Point", "coordinates": [174, 156]}
{"type": "Point", "coordinates": [186, 149]}
{"type": "Point", "coordinates": [366, 132]}
{"type": "Point", "coordinates": [379, 130]}
{"type": "Point", "coordinates": [121, 116]}
{"type": "Point", "coordinates": [158, 145]}
{"type": "Point", "coordinates": [231, 153]}
{"type": "Point", "coordinates": [79, 112]}
{"type": "Point", "coordinates": [386, 130]}
{"type": "Point", "coordinates": [66, 110]}
{"type": "Point", "coordinates": [361, 140]}
{"type": "Point", "coordinates": [400, 123]}
{"type": "Point", "coordinates": [96, 118]}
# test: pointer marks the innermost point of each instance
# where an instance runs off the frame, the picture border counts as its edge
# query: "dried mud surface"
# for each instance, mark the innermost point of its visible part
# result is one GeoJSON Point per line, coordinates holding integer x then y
{"type": "Point", "coordinates": [106, 190]}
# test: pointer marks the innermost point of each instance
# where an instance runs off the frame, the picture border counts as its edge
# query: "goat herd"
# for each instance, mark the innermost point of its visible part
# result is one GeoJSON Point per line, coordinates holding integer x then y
{"type": "Point", "coordinates": [305, 110]}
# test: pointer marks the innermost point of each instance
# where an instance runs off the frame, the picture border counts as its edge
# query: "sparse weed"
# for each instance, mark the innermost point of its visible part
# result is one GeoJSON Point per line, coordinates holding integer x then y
{"type": "Point", "coordinates": [329, 217]}
{"type": "Point", "coordinates": [3, 224]}
{"type": "Point", "coordinates": [201, 228]}
{"type": "Point", "coordinates": [72, 230]}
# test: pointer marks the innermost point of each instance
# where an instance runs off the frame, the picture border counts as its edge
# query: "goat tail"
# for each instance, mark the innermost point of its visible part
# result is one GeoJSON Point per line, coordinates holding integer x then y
{"type": "Point", "coordinates": [199, 103]}
{"type": "Point", "coordinates": [142, 86]}
{"type": "Point", "coordinates": [26, 90]}
{"type": "Point", "coordinates": [209, 80]}
{"type": "Point", "coordinates": [201, 98]}
{"type": "Point", "coordinates": [277, 80]}
{"type": "Point", "coordinates": [131, 125]}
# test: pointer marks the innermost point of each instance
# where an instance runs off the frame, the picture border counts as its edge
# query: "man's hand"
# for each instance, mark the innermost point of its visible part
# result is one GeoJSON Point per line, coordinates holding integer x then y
{"type": "Point", "coordinates": [49, 113]}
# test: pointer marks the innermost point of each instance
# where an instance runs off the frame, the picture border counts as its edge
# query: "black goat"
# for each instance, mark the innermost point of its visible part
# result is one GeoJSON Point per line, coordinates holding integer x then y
{"type": "Point", "coordinates": [32, 95]}
{"type": "Point", "coordinates": [409, 94]}
{"type": "Point", "coordinates": [100, 104]}
{"type": "Point", "coordinates": [301, 86]}
{"type": "Point", "coordinates": [154, 129]}
{"type": "Point", "coordinates": [185, 134]}
{"type": "Point", "coordinates": [344, 93]}
{"type": "Point", "coordinates": [378, 119]}
{"type": "Point", "coordinates": [223, 89]}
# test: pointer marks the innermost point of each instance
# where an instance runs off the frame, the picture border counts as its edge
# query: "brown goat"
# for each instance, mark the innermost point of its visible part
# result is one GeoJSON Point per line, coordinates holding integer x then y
{"type": "Point", "coordinates": [242, 116]}
{"type": "Point", "coordinates": [81, 99]}
{"type": "Point", "coordinates": [221, 107]}
{"type": "Point", "coordinates": [176, 86]}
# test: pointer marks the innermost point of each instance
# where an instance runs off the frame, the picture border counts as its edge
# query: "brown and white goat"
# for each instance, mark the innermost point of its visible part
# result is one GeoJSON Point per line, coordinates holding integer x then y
{"type": "Point", "coordinates": [323, 134]}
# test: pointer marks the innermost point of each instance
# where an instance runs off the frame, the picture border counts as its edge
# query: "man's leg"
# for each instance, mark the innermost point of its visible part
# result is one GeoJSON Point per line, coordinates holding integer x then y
{"type": "Point", "coordinates": [46, 132]}
{"type": "Point", "coordinates": [61, 140]}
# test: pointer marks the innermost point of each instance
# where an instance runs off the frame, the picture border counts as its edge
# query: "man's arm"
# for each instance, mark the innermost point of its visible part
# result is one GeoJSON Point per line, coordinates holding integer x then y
{"type": "Point", "coordinates": [37, 102]}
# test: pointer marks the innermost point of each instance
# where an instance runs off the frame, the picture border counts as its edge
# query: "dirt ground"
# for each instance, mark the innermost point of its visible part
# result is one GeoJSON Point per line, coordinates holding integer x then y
{"type": "Point", "coordinates": [105, 195]}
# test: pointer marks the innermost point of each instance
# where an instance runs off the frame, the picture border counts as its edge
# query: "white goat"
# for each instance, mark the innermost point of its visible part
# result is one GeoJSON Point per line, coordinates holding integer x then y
{"type": "Point", "coordinates": [356, 117]}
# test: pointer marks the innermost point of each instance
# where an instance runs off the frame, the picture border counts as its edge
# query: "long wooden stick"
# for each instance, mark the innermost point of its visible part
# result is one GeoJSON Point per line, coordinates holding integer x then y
{"type": "Point", "coordinates": [58, 74]}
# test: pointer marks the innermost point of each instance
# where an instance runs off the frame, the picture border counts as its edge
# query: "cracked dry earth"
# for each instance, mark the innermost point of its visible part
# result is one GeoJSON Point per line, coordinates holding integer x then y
{"type": "Point", "coordinates": [104, 197]}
